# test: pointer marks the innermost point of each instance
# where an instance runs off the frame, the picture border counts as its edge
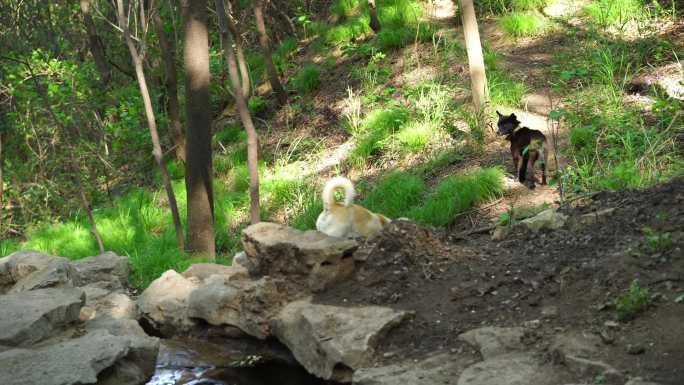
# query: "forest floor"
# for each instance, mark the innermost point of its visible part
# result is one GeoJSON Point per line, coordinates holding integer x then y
{"type": "Point", "coordinates": [574, 279]}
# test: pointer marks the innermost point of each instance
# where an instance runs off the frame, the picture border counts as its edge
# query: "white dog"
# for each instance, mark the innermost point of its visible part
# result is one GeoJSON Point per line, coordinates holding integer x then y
{"type": "Point", "coordinates": [347, 220]}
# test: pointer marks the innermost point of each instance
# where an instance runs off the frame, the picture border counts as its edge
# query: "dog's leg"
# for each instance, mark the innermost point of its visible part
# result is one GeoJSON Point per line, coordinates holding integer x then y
{"type": "Point", "coordinates": [522, 170]}
{"type": "Point", "coordinates": [530, 164]}
{"type": "Point", "coordinates": [545, 158]}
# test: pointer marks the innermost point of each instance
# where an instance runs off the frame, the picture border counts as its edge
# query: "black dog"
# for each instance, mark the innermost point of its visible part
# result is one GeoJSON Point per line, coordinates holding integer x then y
{"type": "Point", "coordinates": [527, 146]}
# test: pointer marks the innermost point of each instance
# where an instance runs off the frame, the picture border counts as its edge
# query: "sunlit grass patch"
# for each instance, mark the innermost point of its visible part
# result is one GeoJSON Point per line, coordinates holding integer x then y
{"type": "Point", "coordinates": [523, 24]}
{"type": "Point", "coordinates": [395, 194]}
{"type": "Point", "coordinates": [614, 12]}
{"type": "Point", "coordinates": [376, 127]}
{"type": "Point", "coordinates": [503, 89]}
{"type": "Point", "coordinates": [456, 194]}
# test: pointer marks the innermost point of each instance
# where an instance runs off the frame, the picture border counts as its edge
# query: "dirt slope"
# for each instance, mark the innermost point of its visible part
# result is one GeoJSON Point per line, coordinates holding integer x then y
{"type": "Point", "coordinates": [550, 282]}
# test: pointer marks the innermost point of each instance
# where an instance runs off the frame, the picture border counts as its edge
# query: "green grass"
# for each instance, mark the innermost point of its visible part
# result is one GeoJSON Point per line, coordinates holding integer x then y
{"type": "Point", "coordinates": [523, 24]}
{"type": "Point", "coordinates": [375, 129]}
{"type": "Point", "coordinates": [614, 12]}
{"type": "Point", "coordinates": [456, 194]}
{"type": "Point", "coordinates": [499, 7]}
{"type": "Point", "coordinates": [503, 89]}
{"type": "Point", "coordinates": [395, 194]}
{"type": "Point", "coordinates": [307, 79]}
{"type": "Point", "coordinates": [635, 301]}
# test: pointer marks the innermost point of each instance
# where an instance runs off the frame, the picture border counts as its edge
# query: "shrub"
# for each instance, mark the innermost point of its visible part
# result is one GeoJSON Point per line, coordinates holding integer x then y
{"type": "Point", "coordinates": [307, 79]}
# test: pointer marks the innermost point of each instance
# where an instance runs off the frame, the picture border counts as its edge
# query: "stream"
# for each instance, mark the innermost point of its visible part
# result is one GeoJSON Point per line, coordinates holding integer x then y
{"type": "Point", "coordinates": [228, 362]}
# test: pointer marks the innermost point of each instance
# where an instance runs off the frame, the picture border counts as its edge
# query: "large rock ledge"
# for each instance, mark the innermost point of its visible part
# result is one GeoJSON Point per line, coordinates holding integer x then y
{"type": "Point", "coordinates": [265, 294]}
{"type": "Point", "coordinates": [70, 322]}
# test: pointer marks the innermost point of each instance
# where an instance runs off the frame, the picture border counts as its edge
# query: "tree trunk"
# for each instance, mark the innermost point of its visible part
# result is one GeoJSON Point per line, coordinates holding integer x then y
{"type": "Point", "coordinates": [242, 62]}
{"type": "Point", "coordinates": [95, 45]}
{"type": "Point", "coordinates": [475, 59]}
{"type": "Point", "coordinates": [151, 121]}
{"type": "Point", "coordinates": [265, 43]}
{"type": "Point", "coordinates": [373, 12]}
{"type": "Point", "coordinates": [168, 51]}
{"type": "Point", "coordinates": [198, 177]}
{"type": "Point", "coordinates": [252, 141]}
{"type": "Point", "coordinates": [2, 186]}
{"type": "Point", "coordinates": [71, 160]}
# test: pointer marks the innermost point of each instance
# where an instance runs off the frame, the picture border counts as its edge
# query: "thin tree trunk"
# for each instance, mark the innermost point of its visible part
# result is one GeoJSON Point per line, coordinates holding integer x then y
{"type": "Point", "coordinates": [151, 122]}
{"type": "Point", "coordinates": [242, 62]}
{"type": "Point", "coordinates": [265, 43]}
{"type": "Point", "coordinates": [475, 59]}
{"type": "Point", "coordinates": [168, 51]}
{"type": "Point", "coordinates": [2, 186]}
{"type": "Point", "coordinates": [75, 172]}
{"type": "Point", "coordinates": [373, 12]}
{"type": "Point", "coordinates": [95, 45]}
{"type": "Point", "coordinates": [198, 173]}
{"type": "Point", "coordinates": [252, 141]}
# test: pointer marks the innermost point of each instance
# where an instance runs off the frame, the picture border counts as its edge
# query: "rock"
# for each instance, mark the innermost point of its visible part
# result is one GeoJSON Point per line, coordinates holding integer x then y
{"type": "Point", "coordinates": [240, 259]}
{"type": "Point", "coordinates": [202, 271]}
{"type": "Point", "coordinates": [500, 233]}
{"type": "Point", "coordinates": [246, 304]}
{"type": "Point", "coordinates": [440, 369]}
{"type": "Point", "coordinates": [308, 256]}
{"type": "Point", "coordinates": [331, 342]}
{"type": "Point", "coordinates": [547, 219]}
{"type": "Point", "coordinates": [164, 304]}
{"type": "Point", "coordinates": [640, 381]}
{"type": "Point", "coordinates": [635, 349]}
{"type": "Point", "coordinates": [591, 218]}
{"type": "Point", "coordinates": [57, 273]}
{"type": "Point", "coordinates": [76, 361]}
{"type": "Point", "coordinates": [549, 311]}
{"type": "Point", "coordinates": [494, 341]}
{"type": "Point", "coordinates": [18, 265]}
{"type": "Point", "coordinates": [29, 317]}
{"type": "Point", "coordinates": [104, 268]}
{"type": "Point", "coordinates": [580, 352]}
{"type": "Point", "coordinates": [138, 365]}
{"type": "Point", "coordinates": [510, 369]}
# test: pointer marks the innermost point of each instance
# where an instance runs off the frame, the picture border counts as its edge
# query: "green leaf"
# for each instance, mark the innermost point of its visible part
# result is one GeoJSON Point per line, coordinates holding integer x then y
{"type": "Point", "coordinates": [679, 299]}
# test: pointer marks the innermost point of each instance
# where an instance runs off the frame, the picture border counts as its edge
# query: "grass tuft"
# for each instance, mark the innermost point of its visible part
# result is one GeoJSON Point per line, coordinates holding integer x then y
{"type": "Point", "coordinates": [396, 194]}
{"type": "Point", "coordinates": [307, 79]}
{"type": "Point", "coordinates": [523, 24]}
{"type": "Point", "coordinates": [458, 193]}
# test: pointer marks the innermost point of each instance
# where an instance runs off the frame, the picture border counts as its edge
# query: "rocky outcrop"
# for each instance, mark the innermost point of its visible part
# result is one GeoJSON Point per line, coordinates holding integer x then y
{"type": "Point", "coordinates": [242, 303]}
{"type": "Point", "coordinates": [310, 257]}
{"type": "Point", "coordinates": [331, 342]}
{"type": "Point", "coordinates": [65, 322]}
{"type": "Point", "coordinates": [30, 317]}
{"type": "Point", "coordinates": [511, 369]}
{"type": "Point", "coordinates": [494, 341]}
{"type": "Point", "coordinates": [440, 369]}
{"type": "Point", "coordinates": [164, 304]}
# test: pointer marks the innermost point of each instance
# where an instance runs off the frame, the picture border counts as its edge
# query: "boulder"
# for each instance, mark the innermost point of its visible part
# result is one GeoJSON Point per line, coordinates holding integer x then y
{"type": "Point", "coordinates": [27, 270]}
{"type": "Point", "coordinates": [164, 304]}
{"type": "Point", "coordinates": [547, 219]}
{"type": "Point", "coordinates": [202, 271]}
{"type": "Point", "coordinates": [640, 381]}
{"type": "Point", "coordinates": [243, 303]}
{"type": "Point", "coordinates": [580, 352]}
{"type": "Point", "coordinates": [107, 268]}
{"type": "Point", "coordinates": [75, 361]}
{"type": "Point", "coordinates": [314, 258]}
{"type": "Point", "coordinates": [494, 341]}
{"type": "Point", "coordinates": [29, 317]}
{"type": "Point", "coordinates": [331, 342]}
{"type": "Point", "coordinates": [440, 369]}
{"type": "Point", "coordinates": [138, 364]}
{"type": "Point", "coordinates": [511, 369]}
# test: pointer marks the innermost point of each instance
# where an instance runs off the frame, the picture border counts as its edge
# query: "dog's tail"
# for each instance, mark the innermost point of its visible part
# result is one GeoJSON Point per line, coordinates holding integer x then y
{"type": "Point", "coordinates": [332, 185]}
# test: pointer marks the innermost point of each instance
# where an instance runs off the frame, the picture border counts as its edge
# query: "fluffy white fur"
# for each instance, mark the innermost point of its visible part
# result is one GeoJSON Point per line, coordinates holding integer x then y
{"type": "Point", "coordinates": [346, 220]}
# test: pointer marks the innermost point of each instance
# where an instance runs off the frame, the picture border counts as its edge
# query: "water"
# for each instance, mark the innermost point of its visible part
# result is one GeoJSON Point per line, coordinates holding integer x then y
{"type": "Point", "coordinates": [227, 362]}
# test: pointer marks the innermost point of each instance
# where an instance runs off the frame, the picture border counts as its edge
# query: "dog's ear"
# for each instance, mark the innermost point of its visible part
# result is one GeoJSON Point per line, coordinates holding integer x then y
{"type": "Point", "coordinates": [513, 116]}
{"type": "Point", "coordinates": [499, 113]}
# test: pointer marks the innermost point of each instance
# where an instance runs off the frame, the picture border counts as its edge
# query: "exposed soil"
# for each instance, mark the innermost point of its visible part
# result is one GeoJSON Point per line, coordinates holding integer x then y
{"type": "Point", "coordinates": [551, 281]}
